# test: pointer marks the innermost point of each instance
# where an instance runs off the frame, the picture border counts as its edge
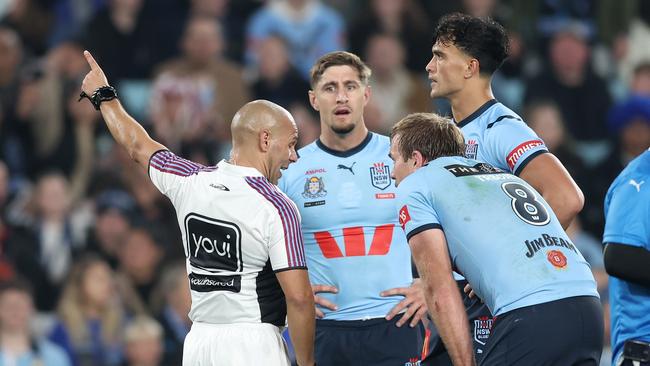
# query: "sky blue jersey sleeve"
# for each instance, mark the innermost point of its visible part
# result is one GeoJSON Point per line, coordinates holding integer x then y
{"type": "Point", "coordinates": [627, 204]}
{"type": "Point", "coordinates": [512, 144]}
{"type": "Point", "coordinates": [416, 212]}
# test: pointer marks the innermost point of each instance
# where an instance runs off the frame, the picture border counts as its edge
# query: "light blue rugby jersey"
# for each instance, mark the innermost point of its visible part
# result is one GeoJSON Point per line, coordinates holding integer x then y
{"type": "Point", "coordinates": [351, 233]}
{"type": "Point", "coordinates": [498, 136]}
{"type": "Point", "coordinates": [502, 235]}
{"type": "Point", "coordinates": [627, 213]}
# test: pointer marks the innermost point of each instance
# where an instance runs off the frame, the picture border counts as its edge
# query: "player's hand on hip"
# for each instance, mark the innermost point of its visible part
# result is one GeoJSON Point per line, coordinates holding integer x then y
{"type": "Point", "coordinates": [414, 302]}
{"type": "Point", "coordinates": [95, 78]}
{"type": "Point", "coordinates": [470, 292]}
{"type": "Point", "coordinates": [321, 301]}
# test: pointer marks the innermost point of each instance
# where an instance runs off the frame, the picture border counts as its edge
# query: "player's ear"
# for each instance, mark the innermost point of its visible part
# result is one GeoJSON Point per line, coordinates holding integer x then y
{"type": "Point", "coordinates": [418, 159]}
{"type": "Point", "coordinates": [366, 94]}
{"type": "Point", "coordinates": [312, 100]}
{"type": "Point", "coordinates": [265, 140]}
{"type": "Point", "coordinates": [473, 68]}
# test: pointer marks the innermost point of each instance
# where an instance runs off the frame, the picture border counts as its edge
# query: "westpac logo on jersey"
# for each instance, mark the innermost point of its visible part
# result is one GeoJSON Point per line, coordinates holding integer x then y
{"type": "Point", "coordinates": [404, 216]}
{"type": "Point", "coordinates": [380, 175]}
{"type": "Point", "coordinates": [471, 148]}
{"type": "Point", "coordinates": [213, 245]}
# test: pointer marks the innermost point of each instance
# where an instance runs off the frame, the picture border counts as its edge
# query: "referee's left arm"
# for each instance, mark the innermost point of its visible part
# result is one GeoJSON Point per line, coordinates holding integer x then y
{"type": "Point", "coordinates": [301, 314]}
{"type": "Point", "coordinates": [126, 130]}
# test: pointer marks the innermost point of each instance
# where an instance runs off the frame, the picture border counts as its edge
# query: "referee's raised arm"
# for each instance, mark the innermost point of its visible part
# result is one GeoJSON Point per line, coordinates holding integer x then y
{"type": "Point", "coordinates": [126, 130]}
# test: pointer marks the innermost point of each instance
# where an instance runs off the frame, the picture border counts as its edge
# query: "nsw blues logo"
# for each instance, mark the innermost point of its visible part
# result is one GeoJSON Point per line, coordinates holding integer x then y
{"type": "Point", "coordinates": [482, 329]}
{"type": "Point", "coordinates": [471, 148]}
{"type": "Point", "coordinates": [314, 188]}
{"type": "Point", "coordinates": [380, 176]}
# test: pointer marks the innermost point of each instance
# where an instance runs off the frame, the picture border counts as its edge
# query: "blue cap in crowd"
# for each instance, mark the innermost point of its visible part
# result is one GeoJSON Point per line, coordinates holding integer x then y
{"type": "Point", "coordinates": [636, 107]}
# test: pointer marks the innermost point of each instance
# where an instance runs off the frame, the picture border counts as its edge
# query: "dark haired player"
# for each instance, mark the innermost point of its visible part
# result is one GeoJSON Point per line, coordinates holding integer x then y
{"type": "Point", "coordinates": [466, 52]}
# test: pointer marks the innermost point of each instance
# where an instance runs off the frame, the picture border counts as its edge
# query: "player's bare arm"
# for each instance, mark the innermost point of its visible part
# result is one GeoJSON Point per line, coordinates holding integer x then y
{"type": "Point", "coordinates": [300, 313]}
{"type": "Point", "coordinates": [414, 302]}
{"type": "Point", "coordinates": [431, 257]}
{"type": "Point", "coordinates": [126, 130]}
{"type": "Point", "coordinates": [321, 301]}
{"type": "Point", "coordinates": [549, 177]}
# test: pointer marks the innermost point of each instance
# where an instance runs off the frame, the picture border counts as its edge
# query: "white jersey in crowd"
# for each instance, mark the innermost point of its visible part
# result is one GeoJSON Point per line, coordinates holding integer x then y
{"type": "Point", "coordinates": [238, 230]}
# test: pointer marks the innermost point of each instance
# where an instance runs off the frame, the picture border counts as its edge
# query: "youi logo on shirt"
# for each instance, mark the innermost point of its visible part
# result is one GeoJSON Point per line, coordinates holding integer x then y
{"type": "Point", "coordinates": [213, 245]}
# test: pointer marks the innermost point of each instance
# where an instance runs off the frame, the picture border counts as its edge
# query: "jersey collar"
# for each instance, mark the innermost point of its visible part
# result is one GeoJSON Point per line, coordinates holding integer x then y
{"type": "Point", "coordinates": [239, 170]}
{"type": "Point", "coordinates": [476, 113]}
{"type": "Point", "coordinates": [346, 153]}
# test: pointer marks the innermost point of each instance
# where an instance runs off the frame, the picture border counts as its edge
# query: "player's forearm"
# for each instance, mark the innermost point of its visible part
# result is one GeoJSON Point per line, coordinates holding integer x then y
{"type": "Point", "coordinates": [125, 130]}
{"type": "Point", "coordinates": [449, 316]}
{"type": "Point", "coordinates": [301, 317]}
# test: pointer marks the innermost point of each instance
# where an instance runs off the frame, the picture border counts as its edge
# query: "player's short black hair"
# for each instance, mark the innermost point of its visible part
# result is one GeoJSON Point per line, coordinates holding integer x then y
{"type": "Point", "coordinates": [481, 38]}
{"type": "Point", "coordinates": [432, 135]}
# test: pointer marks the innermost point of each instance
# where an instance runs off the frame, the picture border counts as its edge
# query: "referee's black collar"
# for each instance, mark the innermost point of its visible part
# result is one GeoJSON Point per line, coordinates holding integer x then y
{"type": "Point", "coordinates": [346, 153]}
{"type": "Point", "coordinates": [477, 113]}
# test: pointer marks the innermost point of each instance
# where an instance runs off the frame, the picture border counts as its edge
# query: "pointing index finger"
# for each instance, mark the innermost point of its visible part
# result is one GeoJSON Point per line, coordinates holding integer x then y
{"type": "Point", "coordinates": [91, 61]}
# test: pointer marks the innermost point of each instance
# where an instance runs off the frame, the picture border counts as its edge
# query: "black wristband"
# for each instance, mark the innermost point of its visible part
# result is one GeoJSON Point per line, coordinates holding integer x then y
{"type": "Point", "coordinates": [100, 95]}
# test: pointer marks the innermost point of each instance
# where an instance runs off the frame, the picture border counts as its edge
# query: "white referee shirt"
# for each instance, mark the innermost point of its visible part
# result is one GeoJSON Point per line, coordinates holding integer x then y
{"type": "Point", "coordinates": [238, 229]}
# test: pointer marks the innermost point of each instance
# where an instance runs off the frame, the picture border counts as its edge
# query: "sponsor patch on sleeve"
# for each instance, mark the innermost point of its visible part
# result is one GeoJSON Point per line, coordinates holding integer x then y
{"type": "Point", "coordinates": [404, 216]}
{"type": "Point", "coordinates": [520, 150]}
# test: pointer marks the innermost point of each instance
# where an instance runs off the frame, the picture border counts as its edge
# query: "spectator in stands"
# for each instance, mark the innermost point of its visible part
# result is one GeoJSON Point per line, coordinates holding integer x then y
{"type": "Point", "coordinates": [61, 129]}
{"type": "Point", "coordinates": [91, 316]}
{"type": "Point", "coordinates": [18, 345]}
{"type": "Point", "coordinates": [396, 92]}
{"type": "Point", "coordinates": [310, 28]}
{"type": "Point", "coordinates": [630, 122]}
{"type": "Point", "coordinates": [569, 80]}
{"type": "Point", "coordinates": [545, 118]}
{"type": "Point", "coordinates": [32, 20]}
{"type": "Point", "coordinates": [139, 257]}
{"type": "Point", "coordinates": [195, 96]}
{"type": "Point", "coordinates": [125, 39]}
{"type": "Point", "coordinates": [56, 231]}
{"type": "Point", "coordinates": [14, 136]}
{"type": "Point", "coordinates": [277, 80]}
{"type": "Point", "coordinates": [404, 19]}
{"type": "Point", "coordinates": [114, 211]}
{"type": "Point", "coordinates": [143, 338]}
{"type": "Point", "coordinates": [173, 309]}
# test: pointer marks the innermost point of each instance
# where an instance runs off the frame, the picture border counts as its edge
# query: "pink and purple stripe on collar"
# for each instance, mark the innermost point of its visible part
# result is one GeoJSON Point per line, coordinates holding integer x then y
{"type": "Point", "coordinates": [167, 162]}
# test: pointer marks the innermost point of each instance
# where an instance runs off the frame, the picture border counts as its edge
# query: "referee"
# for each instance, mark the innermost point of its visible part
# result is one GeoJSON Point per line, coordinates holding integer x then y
{"type": "Point", "coordinates": [241, 235]}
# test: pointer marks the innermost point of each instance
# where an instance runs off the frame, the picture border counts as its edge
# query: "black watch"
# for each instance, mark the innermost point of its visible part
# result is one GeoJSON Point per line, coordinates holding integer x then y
{"type": "Point", "coordinates": [100, 95]}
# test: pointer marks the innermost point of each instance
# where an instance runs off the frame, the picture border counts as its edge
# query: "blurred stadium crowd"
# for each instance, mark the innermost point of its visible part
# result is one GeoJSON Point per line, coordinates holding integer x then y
{"type": "Point", "coordinates": [88, 238]}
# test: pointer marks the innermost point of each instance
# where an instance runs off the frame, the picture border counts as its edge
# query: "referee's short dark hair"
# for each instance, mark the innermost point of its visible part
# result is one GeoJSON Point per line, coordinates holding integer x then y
{"type": "Point", "coordinates": [339, 58]}
{"type": "Point", "coordinates": [432, 135]}
{"type": "Point", "coordinates": [480, 38]}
